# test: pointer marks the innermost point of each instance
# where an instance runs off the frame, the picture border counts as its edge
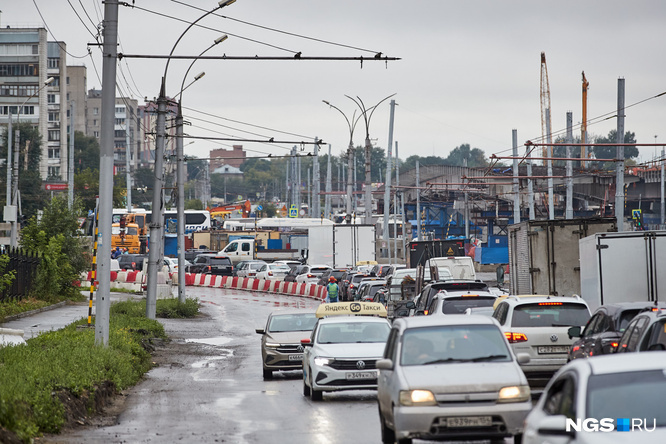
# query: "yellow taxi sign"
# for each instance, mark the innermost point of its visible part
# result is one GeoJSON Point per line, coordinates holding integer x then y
{"type": "Point", "coordinates": [351, 308]}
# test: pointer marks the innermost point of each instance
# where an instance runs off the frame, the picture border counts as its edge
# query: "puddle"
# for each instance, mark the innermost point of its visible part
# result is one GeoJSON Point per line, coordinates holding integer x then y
{"type": "Point", "coordinates": [211, 341]}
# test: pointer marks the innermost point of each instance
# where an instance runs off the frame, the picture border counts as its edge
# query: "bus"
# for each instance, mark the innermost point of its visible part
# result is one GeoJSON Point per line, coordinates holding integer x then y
{"type": "Point", "coordinates": [195, 220]}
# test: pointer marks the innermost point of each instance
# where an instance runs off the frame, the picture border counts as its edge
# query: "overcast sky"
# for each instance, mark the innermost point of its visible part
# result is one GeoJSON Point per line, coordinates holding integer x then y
{"type": "Point", "coordinates": [469, 71]}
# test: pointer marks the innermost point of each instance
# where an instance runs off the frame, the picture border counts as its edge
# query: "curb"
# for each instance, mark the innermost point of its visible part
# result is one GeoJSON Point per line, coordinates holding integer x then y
{"type": "Point", "coordinates": [33, 312]}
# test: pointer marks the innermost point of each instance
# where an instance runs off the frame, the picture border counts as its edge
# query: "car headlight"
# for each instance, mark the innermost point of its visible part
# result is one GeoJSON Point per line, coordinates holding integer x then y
{"type": "Point", "coordinates": [514, 393]}
{"type": "Point", "coordinates": [417, 398]}
{"type": "Point", "coordinates": [272, 345]}
{"type": "Point", "coordinates": [321, 361]}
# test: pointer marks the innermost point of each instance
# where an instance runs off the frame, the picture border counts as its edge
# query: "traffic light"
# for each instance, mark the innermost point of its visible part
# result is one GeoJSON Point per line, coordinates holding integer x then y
{"type": "Point", "coordinates": [639, 221]}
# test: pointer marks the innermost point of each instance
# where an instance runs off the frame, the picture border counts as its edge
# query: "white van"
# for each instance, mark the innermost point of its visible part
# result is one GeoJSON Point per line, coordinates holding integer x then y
{"type": "Point", "coordinates": [459, 267]}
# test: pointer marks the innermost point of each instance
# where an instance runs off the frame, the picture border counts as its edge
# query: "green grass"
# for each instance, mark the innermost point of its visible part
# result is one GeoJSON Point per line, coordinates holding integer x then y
{"type": "Point", "coordinates": [12, 307]}
{"type": "Point", "coordinates": [34, 378]}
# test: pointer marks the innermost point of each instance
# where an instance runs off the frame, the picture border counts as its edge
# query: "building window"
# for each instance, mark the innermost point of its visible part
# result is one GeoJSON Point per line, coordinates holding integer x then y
{"type": "Point", "coordinates": [96, 134]}
{"type": "Point", "coordinates": [119, 133]}
{"type": "Point", "coordinates": [51, 98]}
{"type": "Point", "coordinates": [120, 121]}
{"type": "Point", "coordinates": [18, 69]}
{"type": "Point", "coordinates": [27, 110]}
{"type": "Point", "coordinates": [54, 172]}
{"type": "Point", "coordinates": [35, 49]}
{"type": "Point", "coordinates": [53, 62]}
{"type": "Point", "coordinates": [54, 135]}
{"type": "Point", "coordinates": [54, 117]}
{"type": "Point", "coordinates": [54, 153]}
{"type": "Point", "coordinates": [95, 111]}
{"type": "Point", "coordinates": [56, 81]}
{"type": "Point", "coordinates": [94, 122]}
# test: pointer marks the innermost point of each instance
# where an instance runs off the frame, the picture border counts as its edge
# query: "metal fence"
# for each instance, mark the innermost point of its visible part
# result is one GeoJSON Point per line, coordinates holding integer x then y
{"type": "Point", "coordinates": [24, 264]}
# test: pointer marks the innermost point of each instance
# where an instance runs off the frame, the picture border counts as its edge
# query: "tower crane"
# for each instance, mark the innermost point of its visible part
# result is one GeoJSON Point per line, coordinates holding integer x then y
{"type": "Point", "coordinates": [583, 126]}
{"type": "Point", "coordinates": [545, 104]}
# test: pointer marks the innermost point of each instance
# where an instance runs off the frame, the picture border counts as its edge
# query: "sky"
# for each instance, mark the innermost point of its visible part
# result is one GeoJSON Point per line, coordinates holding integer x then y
{"type": "Point", "coordinates": [469, 71]}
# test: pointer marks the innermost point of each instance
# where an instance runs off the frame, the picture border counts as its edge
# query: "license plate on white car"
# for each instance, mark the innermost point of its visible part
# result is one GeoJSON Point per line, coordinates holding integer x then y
{"type": "Point", "coordinates": [361, 375]}
{"type": "Point", "coordinates": [469, 421]}
{"type": "Point", "coordinates": [552, 349]}
{"type": "Point", "coordinates": [298, 357]}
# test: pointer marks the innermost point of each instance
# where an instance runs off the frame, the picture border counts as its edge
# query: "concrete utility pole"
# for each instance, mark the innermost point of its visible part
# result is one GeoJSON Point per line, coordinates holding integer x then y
{"type": "Point", "coordinates": [396, 205]}
{"type": "Point", "coordinates": [180, 215]}
{"type": "Point", "coordinates": [569, 170]}
{"type": "Point", "coordinates": [128, 155]}
{"type": "Point", "coordinates": [327, 199]}
{"type": "Point", "coordinates": [387, 183]}
{"type": "Point", "coordinates": [530, 184]}
{"type": "Point", "coordinates": [103, 299]}
{"type": "Point", "coordinates": [8, 199]}
{"type": "Point", "coordinates": [619, 168]}
{"type": "Point", "coordinates": [70, 157]}
{"type": "Point", "coordinates": [316, 189]}
{"type": "Point", "coordinates": [551, 198]}
{"type": "Point", "coordinates": [418, 204]}
{"type": "Point", "coordinates": [466, 196]}
{"type": "Point", "coordinates": [516, 183]}
{"type": "Point", "coordinates": [662, 210]}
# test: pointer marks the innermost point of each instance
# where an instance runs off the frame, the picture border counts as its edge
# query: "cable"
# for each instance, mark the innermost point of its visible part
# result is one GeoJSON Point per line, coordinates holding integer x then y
{"type": "Point", "coordinates": [95, 25]}
{"type": "Point", "coordinates": [81, 20]}
{"type": "Point", "coordinates": [54, 38]}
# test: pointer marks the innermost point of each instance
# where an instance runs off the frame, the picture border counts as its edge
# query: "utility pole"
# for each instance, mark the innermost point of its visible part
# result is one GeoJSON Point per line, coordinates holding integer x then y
{"type": "Point", "coordinates": [70, 157]}
{"type": "Point", "coordinates": [103, 299]}
{"type": "Point", "coordinates": [387, 182]}
{"type": "Point", "coordinates": [619, 181]}
{"type": "Point", "coordinates": [569, 169]}
{"type": "Point", "coordinates": [128, 155]}
{"type": "Point", "coordinates": [530, 184]}
{"type": "Point", "coordinates": [516, 184]}
{"type": "Point", "coordinates": [662, 210]}
{"type": "Point", "coordinates": [316, 202]}
{"type": "Point", "coordinates": [551, 198]}
{"type": "Point", "coordinates": [418, 204]}
{"type": "Point", "coordinates": [8, 199]}
{"type": "Point", "coordinates": [327, 199]}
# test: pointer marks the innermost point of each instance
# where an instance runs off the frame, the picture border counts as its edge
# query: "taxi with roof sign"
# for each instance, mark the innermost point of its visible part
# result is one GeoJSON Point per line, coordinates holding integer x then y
{"type": "Point", "coordinates": [538, 326]}
{"type": "Point", "coordinates": [344, 347]}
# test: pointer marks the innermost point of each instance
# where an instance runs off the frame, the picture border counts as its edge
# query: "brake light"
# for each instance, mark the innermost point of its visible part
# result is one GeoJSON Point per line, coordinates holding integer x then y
{"type": "Point", "coordinates": [656, 308]}
{"type": "Point", "coordinates": [311, 275]}
{"type": "Point", "coordinates": [270, 273]}
{"type": "Point", "coordinates": [614, 345]}
{"type": "Point", "coordinates": [550, 303]}
{"type": "Point", "coordinates": [469, 295]}
{"type": "Point", "coordinates": [515, 337]}
{"type": "Point", "coordinates": [576, 348]}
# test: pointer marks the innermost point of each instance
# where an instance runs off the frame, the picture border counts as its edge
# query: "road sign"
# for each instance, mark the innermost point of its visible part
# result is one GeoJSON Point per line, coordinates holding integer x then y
{"type": "Point", "coordinates": [636, 214]}
{"type": "Point", "coordinates": [293, 211]}
{"type": "Point", "coordinates": [259, 208]}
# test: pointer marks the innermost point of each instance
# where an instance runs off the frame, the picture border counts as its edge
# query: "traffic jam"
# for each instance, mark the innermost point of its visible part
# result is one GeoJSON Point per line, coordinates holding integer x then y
{"type": "Point", "coordinates": [456, 360]}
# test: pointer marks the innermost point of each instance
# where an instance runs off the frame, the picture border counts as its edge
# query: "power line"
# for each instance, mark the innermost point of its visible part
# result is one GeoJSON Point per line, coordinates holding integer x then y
{"type": "Point", "coordinates": [54, 37]}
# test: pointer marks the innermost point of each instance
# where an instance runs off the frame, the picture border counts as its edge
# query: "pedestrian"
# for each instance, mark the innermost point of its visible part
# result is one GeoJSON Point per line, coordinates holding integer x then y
{"type": "Point", "coordinates": [115, 253]}
{"type": "Point", "coordinates": [332, 289]}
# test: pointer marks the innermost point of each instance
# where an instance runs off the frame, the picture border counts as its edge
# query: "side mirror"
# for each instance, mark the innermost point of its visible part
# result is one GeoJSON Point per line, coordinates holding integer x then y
{"type": "Point", "coordinates": [260, 331]}
{"type": "Point", "coordinates": [385, 364]}
{"type": "Point", "coordinates": [306, 342]}
{"type": "Point", "coordinates": [574, 332]}
{"type": "Point", "coordinates": [523, 358]}
{"type": "Point", "coordinates": [555, 426]}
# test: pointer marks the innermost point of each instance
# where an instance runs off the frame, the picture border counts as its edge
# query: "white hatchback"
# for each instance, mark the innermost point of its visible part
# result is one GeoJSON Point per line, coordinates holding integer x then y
{"type": "Point", "coordinates": [273, 271]}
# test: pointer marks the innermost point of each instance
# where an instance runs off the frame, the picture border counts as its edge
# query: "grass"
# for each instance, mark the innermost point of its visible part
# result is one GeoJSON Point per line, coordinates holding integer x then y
{"type": "Point", "coordinates": [43, 382]}
{"type": "Point", "coordinates": [13, 307]}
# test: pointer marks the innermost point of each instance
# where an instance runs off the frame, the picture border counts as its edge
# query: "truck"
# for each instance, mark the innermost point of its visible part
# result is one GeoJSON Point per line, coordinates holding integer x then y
{"type": "Point", "coordinates": [622, 266]}
{"type": "Point", "coordinates": [125, 235]}
{"type": "Point", "coordinates": [421, 251]}
{"type": "Point", "coordinates": [341, 245]}
{"type": "Point", "coordinates": [457, 267]}
{"type": "Point", "coordinates": [244, 250]}
{"type": "Point", "coordinates": [544, 257]}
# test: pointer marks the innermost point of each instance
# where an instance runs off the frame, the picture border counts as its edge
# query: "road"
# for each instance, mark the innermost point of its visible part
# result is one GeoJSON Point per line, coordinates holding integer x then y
{"type": "Point", "coordinates": [208, 387]}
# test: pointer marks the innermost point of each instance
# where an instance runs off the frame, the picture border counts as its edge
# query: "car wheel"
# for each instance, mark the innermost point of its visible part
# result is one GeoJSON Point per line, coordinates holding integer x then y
{"type": "Point", "coordinates": [306, 389]}
{"type": "Point", "coordinates": [388, 435]}
{"type": "Point", "coordinates": [268, 374]}
{"type": "Point", "coordinates": [518, 439]}
{"type": "Point", "coordinates": [404, 441]}
{"type": "Point", "coordinates": [316, 395]}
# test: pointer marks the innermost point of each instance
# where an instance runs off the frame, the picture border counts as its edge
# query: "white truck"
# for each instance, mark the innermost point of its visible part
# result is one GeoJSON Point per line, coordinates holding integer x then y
{"type": "Point", "coordinates": [244, 250]}
{"type": "Point", "coordinates": [341, 245]}
{"type": "Point", "coordinates": [450, 267]}
{"type": "Point", "coordinates": [622, 266]}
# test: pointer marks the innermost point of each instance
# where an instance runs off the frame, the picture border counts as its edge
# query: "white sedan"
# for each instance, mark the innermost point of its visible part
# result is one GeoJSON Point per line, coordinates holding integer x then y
{"type": "Point", "coordinates": [311, 276]}
{"type": "Point", "coordinates": [275, 272]}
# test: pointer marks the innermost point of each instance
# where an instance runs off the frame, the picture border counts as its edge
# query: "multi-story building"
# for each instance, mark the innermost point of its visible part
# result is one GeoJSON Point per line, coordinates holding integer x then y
{"type": "Point", "coordinates": [77, 88]}
{"type": "Point", "coordinates": [221, 157]}
{"type": "Point", "coordinates": [27, 60]}
{"type": "Point", "coordinates": [148, 124]}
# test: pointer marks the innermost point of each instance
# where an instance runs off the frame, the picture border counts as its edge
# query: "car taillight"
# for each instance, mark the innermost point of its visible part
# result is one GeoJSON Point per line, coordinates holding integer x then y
{"type": "Point", "coordinates": [515, 337]}
{"type": "Point", "coordinates": [311, 275]}
{"type": "Point", "coordinates": [614, 345]}
{"type": "Point", "coordinates": [209, 268]}
{"type": "Point", "coordinates": [576, 348]}
{"type": "Point", "coordinates": [270, 273]}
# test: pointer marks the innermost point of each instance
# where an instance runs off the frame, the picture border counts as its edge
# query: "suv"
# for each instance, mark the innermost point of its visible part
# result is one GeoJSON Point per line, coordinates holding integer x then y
{"type": "Point", "coordinates": [646, 332]}
{"type": "Point", "coordinates": [604, 329]}
{"type": "Point", "coordinates": [337, 273]}
{"type": "Point", "coordinates": [250, 269]}
{"type": "Point", "coordinates": [450, 378]}
{"type": "Point", "coordinates": [538, 325]}
{"type": "Point", "coordinates": [131, 261]}
{"type": "Point", "coordinates": [430, 290]}
{"type": "Point", "coordinates": [211, 263]}
{"type": "Point", "coordinates": [298, 269]}
{"type": "Point", "coordinates": [456, 302]}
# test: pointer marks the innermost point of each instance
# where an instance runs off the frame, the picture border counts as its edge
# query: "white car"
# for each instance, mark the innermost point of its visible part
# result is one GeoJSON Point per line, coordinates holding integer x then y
{"type": "Point", "coordinates": [311, 276]}
{"type": "Point", "coordinates": [456, 302]}
{"type": "Point", "coordinates": [452, 378]}
{"type": "Point", "coordinates": [602, 400]}
{"type": "Point", "coordinates": [342, 352]}
{"type": "Point", "coordinates": [538, 326]}
{"type": "Point", "coordinates": [273, 271]}
{"type": "Point", "coordinates": [171, 264]}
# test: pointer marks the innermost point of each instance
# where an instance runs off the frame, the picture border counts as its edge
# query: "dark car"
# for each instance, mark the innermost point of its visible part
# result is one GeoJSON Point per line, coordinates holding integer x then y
{"type": "Point", "coordinates": [337, 273]}
{"type": "Point", "coordinates": [211, 263]}
{"type": "Point", "coordinates": [299, 269]}
{"type": "Point", "coordinates": [646, 332]}
{"type": "Point", "coordinates": [131, 261]}
{"type": "Point", "coordinates": [603, 331]}
{"type": "Point", "coordinates": [354, 283]}
{"type": "Point", "coordinates": [190, 255]}
{"type": "Point", "coordinates": [343, 283]}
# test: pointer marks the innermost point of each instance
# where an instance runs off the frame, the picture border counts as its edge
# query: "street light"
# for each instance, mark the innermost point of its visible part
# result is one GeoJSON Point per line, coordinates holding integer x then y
{"type": "Point", "coordinates": [17, 135]}
{"type": "Point", "coordinates": [350, 153]}
{"type": "Point", "coordinates": [368, 152]}
{"type": "Point", "coordinates": [154, 256]}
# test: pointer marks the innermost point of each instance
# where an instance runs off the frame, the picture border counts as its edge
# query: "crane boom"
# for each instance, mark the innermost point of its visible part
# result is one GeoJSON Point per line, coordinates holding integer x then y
{"type": "Point", "coordinates": [545, 103]}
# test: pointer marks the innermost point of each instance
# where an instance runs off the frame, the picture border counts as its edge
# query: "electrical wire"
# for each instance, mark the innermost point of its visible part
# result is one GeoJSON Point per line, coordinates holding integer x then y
{"type": "Point", "coordinates": [81, 20]}
{"type": "Point", "coordinates": [54, 37]}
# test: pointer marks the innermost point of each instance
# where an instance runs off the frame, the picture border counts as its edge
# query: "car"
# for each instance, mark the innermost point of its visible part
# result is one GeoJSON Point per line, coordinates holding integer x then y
{"type": "Point", "coordinates": [354, 282]}
{"type": "Point", "coordinates": [290, 264]}
{"type": "Point", "coordinates": [456, 302]}
{"type": "Point", "coordinates": [211, 263]}
{"type": "Point", "coordinates": [450, 378]}
{"type": "Point", "coordinates": [281, 347]}
{"type": "Point", "coordinates": [396, 279]}
{"type": "Point", "coordinates": [171, 263]}
{"type": "Point", "coordinates": [385, 270]}
{"type": "Point", "coordinates": [337, 273]}
{"type": "Point", "coordinates": [368, 288]}
{"type": "Point", "coordinates": [539, 326]}
{"type": "Point", "coordinates": [250, 269]}
{"type": "Point", "coordinates": [131, 261]}
{"type": "Point", "coordinates": [591, 394]}
{"type": "Point", "coordinates": [190, 255]}
{"type": "Point", "coordinates": [311, 274]}
{"type": "Point", "coordinates": [646, 332]}
{"type": "Point", "coordinates": [294, 272]}
{"type": "Point", "coordinates": [603, 330]}
{"type": "Point", "coordinates": [343, 283]}
{"type": "Point", "coordinates": [272, 271]}
{"type": "Point", "coordinates": [461, 286]}
{"type": "Point", "coordinates": [345, 344]}
{"type": "Point", "coordinates": [239, 266]}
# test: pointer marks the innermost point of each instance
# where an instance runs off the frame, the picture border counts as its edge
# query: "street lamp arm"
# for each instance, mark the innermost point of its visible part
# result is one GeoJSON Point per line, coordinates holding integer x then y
{"type": "Point", "coordinates": [350, 124]}
{"type": "Point", "coordinates": [46, 83]}
{"type": "Point", "coordinates": [197, 77]}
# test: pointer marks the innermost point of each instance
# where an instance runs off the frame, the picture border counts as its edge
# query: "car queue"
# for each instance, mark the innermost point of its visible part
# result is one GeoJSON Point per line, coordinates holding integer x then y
{"type": "Point", "coordinates": [486, 365]}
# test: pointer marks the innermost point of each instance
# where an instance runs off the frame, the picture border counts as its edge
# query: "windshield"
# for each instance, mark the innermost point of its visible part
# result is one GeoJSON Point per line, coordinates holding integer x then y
{"type": "Point", "coordinates": [353, 332]}
{"type": "Point", "coordinates": [453, 343]}
{"type": "Point", "coordinates": [642, 394]}
{"type": "Point", "coordinates": [550, 314]}
{"type": "Point", "coordinates": [292, 322]}
{"type": "Point", "coordinates": [220, 261]}
{"type": "Point", "coordinates": [458, 305]}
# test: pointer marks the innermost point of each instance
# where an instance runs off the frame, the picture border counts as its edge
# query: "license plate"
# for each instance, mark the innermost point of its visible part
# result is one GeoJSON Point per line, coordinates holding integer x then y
{"type": "Point", "coordinates": [469, 421]}
{"type": "Point", "coordinates": [361, 375]}
{"type": "Point", "coordinates": [552, 349]}
{"type": "Point", "coordinates": [296, 357]}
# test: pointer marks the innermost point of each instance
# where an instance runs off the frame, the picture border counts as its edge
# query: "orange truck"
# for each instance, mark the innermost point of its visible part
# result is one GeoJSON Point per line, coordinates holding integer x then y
{"type": "Point", "coordinates": [127, 234]}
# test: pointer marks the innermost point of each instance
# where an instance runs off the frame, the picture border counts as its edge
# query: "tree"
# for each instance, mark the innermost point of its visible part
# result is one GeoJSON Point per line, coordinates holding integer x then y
{"type": "Point", "coordinates": [410, 162]}
{"type": "Point", "coordinates": [474, 156]}
{"type": "Point", "coordinates": [610, 152]}
{"type": "Point", "coordinates": [86, 152]}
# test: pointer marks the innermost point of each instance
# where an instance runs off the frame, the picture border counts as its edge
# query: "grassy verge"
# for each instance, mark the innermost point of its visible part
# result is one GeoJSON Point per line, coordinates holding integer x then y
{"type": "Point", "coordinates": [62, 374]}
{"type": "Point", "coordinates": [10, 308]}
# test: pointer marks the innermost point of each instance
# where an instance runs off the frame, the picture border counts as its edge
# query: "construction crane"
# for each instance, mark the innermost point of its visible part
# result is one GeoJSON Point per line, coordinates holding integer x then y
{"type": "Point", "coordinates": [545, 104]}
{"type": "Point", "coordinates": [583, 126]}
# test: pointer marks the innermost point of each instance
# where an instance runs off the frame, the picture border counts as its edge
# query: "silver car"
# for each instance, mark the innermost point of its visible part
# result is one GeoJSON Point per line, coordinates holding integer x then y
{"type": "Point", "coordinates": [281, 347]}
{"type": "Point", "coordinates": [450, 378]}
